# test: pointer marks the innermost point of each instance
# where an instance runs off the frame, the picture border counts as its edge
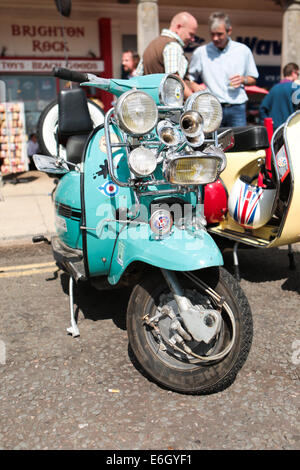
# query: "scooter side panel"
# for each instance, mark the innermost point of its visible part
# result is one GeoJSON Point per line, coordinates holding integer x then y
{"type": "Point", "coordinates": [102, 198]}
{"type": "Point", "coordinates": [68, 210]}
{"type": "Point", "coordinates": [181, 251]}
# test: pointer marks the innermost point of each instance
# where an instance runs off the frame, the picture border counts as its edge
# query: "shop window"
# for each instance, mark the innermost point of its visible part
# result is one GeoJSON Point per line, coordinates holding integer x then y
{"type": "Point", "coordinates": [32, 90]}
{"type": "Point", "coordinates": [35, 92]}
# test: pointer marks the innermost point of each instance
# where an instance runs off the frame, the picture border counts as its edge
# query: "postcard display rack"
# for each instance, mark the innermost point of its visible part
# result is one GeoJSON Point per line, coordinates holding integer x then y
{"type": "Point", "coordinates": [13, 147]}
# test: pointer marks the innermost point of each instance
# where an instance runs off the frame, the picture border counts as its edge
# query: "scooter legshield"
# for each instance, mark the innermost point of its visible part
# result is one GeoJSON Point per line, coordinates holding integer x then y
{"type": "Point", "coordinates": [180, 251]}
{"type": "Point", "coordinates": [111, 245]}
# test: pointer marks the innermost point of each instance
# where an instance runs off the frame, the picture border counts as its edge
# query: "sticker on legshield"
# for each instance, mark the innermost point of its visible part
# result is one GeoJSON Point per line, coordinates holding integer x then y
{"type": "Point", "coordinates": [114, 140]}
{"type": "Point", "coordinates": [109, 189]}
{"type": "Point", "coordinates": [120, 256]}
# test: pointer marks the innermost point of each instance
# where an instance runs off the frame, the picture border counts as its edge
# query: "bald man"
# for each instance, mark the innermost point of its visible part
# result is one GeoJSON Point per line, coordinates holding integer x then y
{"type": "Point", "coordinates": [165, 54]}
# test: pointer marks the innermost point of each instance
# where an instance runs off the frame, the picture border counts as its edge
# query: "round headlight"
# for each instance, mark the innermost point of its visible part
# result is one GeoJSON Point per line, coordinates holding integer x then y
{"type": "Point", "coordinates": [168, 134]}
{"type": "Point", "coordinates": [209, 107]}
{"type": "Point", "coordinates": [171, 91]}
{"type": "Point", "coordinates": [136, 112]}
{"type": "Point", "coordinates": [142, 162]}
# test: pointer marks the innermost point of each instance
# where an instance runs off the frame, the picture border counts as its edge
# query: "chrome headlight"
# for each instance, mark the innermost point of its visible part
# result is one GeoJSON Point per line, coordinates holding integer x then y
{"type": "Point", "coordinates": [193, 169]}
{"type": "Point", "coordinates": [142, 162]}
{"type": "Point", "coordinates": [136, 112]}
{"type": "Point", "coordinates": [168, 134]}
{"type": "Point", "coordinates": [209, 107]}
{"type": "Point", "coordinates": [171, 91]}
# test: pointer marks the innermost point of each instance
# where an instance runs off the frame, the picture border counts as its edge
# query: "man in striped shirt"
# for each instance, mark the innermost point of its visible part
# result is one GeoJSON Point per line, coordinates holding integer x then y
{"type": "Point", "coordinates": [165, 54]}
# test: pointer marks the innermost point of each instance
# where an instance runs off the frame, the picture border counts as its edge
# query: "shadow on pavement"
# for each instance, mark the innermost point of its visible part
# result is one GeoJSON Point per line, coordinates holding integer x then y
{"type": "Point", "coordinates": [16, 178]}
{"type": "Point", "coordinates": [262, 265]}
{"type": "Point", "coordinates": [99, 305]}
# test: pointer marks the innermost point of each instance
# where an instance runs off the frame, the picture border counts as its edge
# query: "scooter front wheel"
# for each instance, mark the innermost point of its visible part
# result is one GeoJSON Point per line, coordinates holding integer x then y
{"type": "Point", "coordinates": [151, 333]}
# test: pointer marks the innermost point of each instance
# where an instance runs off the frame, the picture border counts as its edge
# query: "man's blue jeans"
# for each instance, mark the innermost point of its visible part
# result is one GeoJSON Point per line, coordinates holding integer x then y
{"type": "Point", "coordinates": [234, 116]}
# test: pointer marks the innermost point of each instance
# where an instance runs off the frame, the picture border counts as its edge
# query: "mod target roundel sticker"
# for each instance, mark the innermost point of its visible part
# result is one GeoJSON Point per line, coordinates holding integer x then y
{"type": "Point", "coordinates": [109, 189]}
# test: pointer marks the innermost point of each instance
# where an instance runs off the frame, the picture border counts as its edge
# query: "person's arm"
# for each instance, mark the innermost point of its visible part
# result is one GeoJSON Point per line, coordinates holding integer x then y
{"type": "Point", "coordinates": [264, 109]}
{"type": "Point", "coordinates": [248, 80]}
{"type": "Point", "coordinates": [196, 86]}
{"type": "Point", "coordinates": [187, 89]}
{"type": "Point", "coordinates": [238, 80]}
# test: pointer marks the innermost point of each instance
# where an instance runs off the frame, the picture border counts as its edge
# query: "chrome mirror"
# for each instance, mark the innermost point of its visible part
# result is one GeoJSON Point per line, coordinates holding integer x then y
{"type": "Point", "coordinates": [49, 164]}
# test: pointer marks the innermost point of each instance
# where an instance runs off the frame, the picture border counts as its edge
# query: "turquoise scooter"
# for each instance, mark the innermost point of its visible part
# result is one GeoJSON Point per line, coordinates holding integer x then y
{"type": "Point", "coordinates": [129, 212]}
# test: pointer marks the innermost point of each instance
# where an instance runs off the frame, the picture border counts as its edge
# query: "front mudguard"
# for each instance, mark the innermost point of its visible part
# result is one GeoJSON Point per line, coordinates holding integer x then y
{"type": "Point", "coordinates": [180, 251]}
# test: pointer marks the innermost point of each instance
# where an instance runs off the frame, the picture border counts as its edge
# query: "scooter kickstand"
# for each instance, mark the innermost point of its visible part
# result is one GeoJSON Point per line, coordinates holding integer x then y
{"type": "Point", "coordinates": [236, 262]}
{"type": "Point", "coordinates": [73, 330]}
{"type": "Point", "coordinates": [292, 264]}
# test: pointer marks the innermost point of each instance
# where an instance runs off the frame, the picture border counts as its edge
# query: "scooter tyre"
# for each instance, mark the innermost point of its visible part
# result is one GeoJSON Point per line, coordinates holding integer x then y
{"type": "Point", "coordinates": [201, 379]}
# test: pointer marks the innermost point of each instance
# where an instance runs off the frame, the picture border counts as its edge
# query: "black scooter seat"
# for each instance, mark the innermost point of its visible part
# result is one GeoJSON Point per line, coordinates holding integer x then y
{"type": "Point", "coordinates": [75, 147]}
{"type": "Point", "coordinates": [248, 138]}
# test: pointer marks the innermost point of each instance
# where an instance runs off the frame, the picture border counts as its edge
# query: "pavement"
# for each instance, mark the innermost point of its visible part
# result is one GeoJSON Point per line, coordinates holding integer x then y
{"type": "Point", "coordinates": [26, 208]}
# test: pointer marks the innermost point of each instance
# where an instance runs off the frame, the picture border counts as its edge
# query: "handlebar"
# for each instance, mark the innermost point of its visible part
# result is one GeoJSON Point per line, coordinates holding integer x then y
{"type": "Point", "coordinates": [70, 75]}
